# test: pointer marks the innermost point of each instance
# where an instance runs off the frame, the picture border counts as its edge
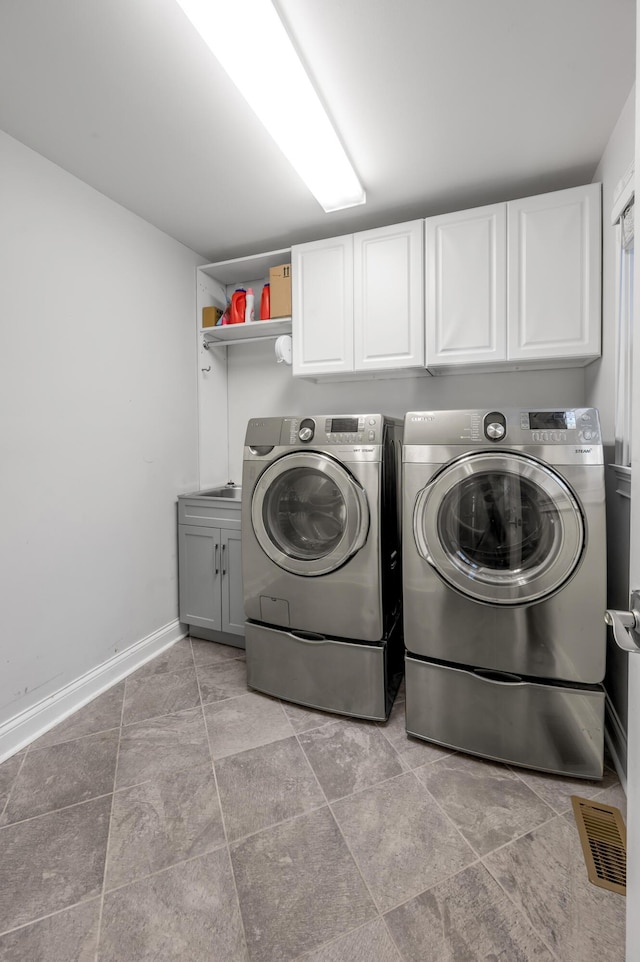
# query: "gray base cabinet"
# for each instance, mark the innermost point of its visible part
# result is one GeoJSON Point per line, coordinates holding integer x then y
{"type": "Point", "coordinates": [210, 565]}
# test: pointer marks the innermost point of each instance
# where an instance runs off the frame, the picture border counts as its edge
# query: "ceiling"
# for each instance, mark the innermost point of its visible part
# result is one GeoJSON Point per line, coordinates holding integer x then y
{"type": "Point", "coordinates": [441, 105]}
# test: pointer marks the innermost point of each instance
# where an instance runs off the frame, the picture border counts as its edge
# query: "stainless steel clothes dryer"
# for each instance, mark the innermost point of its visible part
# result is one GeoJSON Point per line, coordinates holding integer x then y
{"type": "Point", "coordinates": [321, 560]}
{"type": "Point", "coordinates": [504, 575]}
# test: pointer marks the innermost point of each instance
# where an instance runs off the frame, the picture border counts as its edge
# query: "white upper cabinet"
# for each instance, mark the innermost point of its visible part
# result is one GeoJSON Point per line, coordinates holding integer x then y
{"type": "Point", "coordinates": [388, 309]}
{"type": "Point", "coordinates": [515, 285]}
{"type": "Point", "coordinates": [554, 275]}
{"type": "Point", "coordinates": [466, 291]}
{"type": "Point", "coordinates": [322, 306]}
{"type": "Point", "coordinates": [358, 302]}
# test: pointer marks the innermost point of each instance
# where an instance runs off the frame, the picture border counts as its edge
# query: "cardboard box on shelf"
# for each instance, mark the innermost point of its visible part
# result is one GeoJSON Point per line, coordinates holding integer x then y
{"type": "Point", "coordinates": [280, 284]}
{"type": "Point", "coordinates": [210, 316]}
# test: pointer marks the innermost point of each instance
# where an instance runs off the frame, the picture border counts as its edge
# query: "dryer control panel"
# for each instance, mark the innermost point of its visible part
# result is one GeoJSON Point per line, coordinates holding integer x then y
{"type": "Point", "coordinates": [561, 427]}
{"type": "Point", "coordinates": [574, 427]}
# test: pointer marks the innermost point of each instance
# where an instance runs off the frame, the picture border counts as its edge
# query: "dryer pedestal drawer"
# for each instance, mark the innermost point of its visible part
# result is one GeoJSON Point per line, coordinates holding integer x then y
{"type": "Point", "coordinates": [549, 727]}
{"type": "Point", "coordinates": [336, 676]}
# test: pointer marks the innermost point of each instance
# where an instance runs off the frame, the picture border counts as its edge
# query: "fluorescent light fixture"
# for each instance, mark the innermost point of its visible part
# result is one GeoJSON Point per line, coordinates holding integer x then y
{"type": "Point", "coordinates": [249, 40]}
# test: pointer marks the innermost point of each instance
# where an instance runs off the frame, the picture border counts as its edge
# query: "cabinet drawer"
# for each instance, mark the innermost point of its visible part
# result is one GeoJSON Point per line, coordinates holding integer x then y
{"type": "Point", "coordinates": [209, 513]}
{"type": "Point", "coordinates": [551, 727]}
{"type": "Point", "coordinates": [336, 676]}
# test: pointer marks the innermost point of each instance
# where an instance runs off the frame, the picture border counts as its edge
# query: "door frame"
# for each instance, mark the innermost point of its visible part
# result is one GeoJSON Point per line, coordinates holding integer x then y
{"type": "Point", "coordinates": [633, 721]}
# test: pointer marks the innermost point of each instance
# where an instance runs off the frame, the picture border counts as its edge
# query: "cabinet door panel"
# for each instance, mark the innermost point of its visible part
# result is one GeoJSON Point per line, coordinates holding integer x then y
{"type": "Point", "coordinates": [322, 301]}
{"type": "Point", "coordinates": [554, 274]}
{"type": "Point", "coordinates": [232, 602]}
{"type": "Point", "coordinates": [466, 287]}
{"type": "Point", "coordinates": [199, 552]}
{"type": "Point", "coordinates": [388, 297]}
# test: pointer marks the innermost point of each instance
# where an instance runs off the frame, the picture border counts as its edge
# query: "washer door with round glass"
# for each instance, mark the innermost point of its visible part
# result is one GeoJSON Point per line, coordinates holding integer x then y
{"type": "Point", "coordinates": [502, 529]}
{"type": "Point", "coordinates": [309, 513]}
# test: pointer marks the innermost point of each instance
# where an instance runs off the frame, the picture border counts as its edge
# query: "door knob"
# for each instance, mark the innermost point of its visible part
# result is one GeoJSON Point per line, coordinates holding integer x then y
{"type": "Point", "coordinates": [626, 624]}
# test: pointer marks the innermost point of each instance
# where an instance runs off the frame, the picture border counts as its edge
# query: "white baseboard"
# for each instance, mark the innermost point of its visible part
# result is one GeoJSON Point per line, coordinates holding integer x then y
{"type": "Point", "coordinates": [23, 728]}
{"type": "Point", "coordinates": [616, 741]}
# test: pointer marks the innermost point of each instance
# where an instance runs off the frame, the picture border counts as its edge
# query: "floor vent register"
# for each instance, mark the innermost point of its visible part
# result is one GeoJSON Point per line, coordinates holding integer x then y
{"type": "Point", "coordinates": [604, 843]}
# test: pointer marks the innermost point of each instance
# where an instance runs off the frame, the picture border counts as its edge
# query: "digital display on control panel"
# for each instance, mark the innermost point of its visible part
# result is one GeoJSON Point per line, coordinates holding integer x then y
{"type": "Point", "coordinates": [551, 419]}
{"type": "Point", "coordinates": [343, 426]}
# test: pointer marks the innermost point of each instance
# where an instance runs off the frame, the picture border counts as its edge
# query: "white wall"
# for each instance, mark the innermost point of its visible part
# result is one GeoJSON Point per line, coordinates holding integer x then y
{"type": "Point", "coordinates": [601, 375]}
{"type": "Point", "coordinates": [259, 386]}
{"type": "Point", "coordinates": [98, 425]}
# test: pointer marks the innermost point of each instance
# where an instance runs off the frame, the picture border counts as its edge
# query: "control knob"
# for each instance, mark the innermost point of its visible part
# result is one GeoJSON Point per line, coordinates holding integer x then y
{"type": "Point", "coordinates": [495, 430]}
{"type": "Point", "coordinates": [305, 434]}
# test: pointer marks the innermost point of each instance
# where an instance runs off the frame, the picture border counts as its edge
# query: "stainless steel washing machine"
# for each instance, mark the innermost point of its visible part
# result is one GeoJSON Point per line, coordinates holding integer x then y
{"type": "Point", "coordinates": [504, 575]}
{"type": "Point", "coordinates": [321, 560]}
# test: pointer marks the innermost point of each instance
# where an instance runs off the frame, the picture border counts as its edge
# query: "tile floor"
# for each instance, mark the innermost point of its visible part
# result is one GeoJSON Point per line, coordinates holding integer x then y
{"type": "Point", "coordinates": [181, 817]}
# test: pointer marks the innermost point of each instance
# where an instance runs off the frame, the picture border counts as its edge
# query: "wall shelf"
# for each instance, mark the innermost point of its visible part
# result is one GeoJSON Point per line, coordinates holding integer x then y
{"type": "Point", "coordinates": [245, 333]}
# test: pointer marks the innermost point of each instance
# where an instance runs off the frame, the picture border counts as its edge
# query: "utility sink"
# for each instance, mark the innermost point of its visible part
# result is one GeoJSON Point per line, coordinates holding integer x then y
{"type": "Point", "coordinates": [231, 492]}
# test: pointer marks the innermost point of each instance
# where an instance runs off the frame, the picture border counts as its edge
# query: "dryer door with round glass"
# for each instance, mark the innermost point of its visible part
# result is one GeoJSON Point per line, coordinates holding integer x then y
{"type": "Point", "coordinates": [309, 513]}
{"type": "Point", "coordinates": [502, 529]}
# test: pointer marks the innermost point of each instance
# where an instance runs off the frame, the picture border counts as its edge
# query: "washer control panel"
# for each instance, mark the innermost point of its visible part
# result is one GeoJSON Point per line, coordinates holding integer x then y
{"type": "Point", "coordinates": [351, 430]}
{"type": "Point", "coordinates": [329, 430]}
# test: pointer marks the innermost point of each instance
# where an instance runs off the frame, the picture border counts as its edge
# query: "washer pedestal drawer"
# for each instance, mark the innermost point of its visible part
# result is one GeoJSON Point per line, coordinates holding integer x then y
{"type": "Point", "coordinates": [346, 677]}
{"type": "Point", "coordinates": [550, 727]}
